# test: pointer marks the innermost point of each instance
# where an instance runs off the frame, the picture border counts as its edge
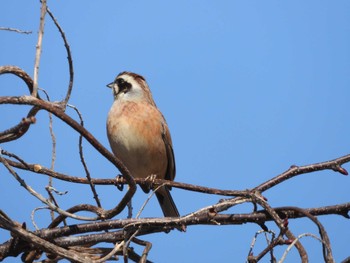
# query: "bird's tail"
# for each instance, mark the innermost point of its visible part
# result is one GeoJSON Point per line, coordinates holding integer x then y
{"type": "Point", "coordinates": [168, 206]}
{"type": "Point", "coordinates": [166, 202]}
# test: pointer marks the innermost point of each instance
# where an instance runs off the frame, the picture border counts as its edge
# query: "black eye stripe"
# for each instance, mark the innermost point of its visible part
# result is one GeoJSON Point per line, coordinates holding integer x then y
{"type": "Point", "coordinates": [123, 85]}
{"type": "Point", "coordinates": [120, 82]}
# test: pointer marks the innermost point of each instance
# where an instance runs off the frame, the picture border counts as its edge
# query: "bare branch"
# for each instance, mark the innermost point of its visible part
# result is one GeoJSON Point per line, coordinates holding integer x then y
{"type": "Point", "coordinates": [328, 165]}
{"type": "Point", "coordinates": [15, 30]}
{"type": "Point", "coordinates": [294, 170]}
{"type": "Point", "coordinates": [38, 48]}
{"type": "Point", "coordinates": [19, 231]}
{"type": "Point", "coordinates": [14, 70]}
{"type": "Point", "coordinates": [21, 128]}
{"type": "Point", "coordinates": [117, 247]}
{"type": "Point", "coordinates": [53, 153]}
{"type": "Point", "coordinates": [147, 245]}
{"type": "Point", "coordinates": [154, 225]}
{"type": "Point", "coordinates": [69, 57]}
{"type": "Point", "coordinates": [326, 245]}
{"type": "Point", "coordinates": [296, 240]}
{"type": "Point", "coordinates": [82, 159]}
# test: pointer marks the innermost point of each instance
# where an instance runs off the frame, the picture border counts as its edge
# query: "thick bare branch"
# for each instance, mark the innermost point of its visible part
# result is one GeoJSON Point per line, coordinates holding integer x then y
{"type": "Point", "coordinates": [63, 236]}
{"type": "Point", "coordinates": [328, 165]}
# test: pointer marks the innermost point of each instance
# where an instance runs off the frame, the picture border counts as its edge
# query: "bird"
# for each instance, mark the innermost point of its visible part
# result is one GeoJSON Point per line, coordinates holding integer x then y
{"type": "Point", "coordinates": [139, 136]}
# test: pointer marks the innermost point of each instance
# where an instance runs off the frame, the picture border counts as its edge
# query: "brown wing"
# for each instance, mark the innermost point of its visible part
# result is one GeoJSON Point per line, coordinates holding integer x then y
{"type": "Point", "coordinates": [171, 168]}
{"type": "Point", "coordinates": [163, 195]}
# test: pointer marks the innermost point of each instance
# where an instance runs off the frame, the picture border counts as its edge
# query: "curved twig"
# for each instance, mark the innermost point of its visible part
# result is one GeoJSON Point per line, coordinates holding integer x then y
{"type": "Point", "coordinates": [69, 57]}
{"type": "Point", "coordinates": [147, 245]}
{"type": "Point", "coordinates": [296, 240]}
{"type": "Point", "coordinates": [326, 245]}
{"type": "Point", "coordinates": [53, 154]}
{"type": "Point", "coordinates": [14, 70]}
{"type": "Point", "coordinates": [82, 159]}
{"type": "Point", "coordinates": [282, 225]}
{"type": "Point", "coordinates": [20, 129]}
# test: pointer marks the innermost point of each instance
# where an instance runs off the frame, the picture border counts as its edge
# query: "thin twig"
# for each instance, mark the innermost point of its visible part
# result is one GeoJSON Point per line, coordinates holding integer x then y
{"type": "Point", "coordinates": [69, 57]}
{"type": "Point", "coordinates": [53, 153]}
{"type": "Point", "coordinates": [53, 200]}
{"type": "Point", "coordinates": [258, 198]}
{"type": "Point", "coordinates": [18, 130]}
{"type": "Point", "coordinates": [117, 247]}
{"type": "Point", "coordinates": [33, 214]}
{"type": "Point", "coordinates": [127, 243]}
{"type": "Point", "coordinates": [250, 252]}
{"type": "Point", "coordinates": [272, 257]}
{"type": "Point", "coordinates": [39, 48]}
{"type": "Point", "coordinates": [296, 240]}
{"type": "Point", "coordinates": [21, 128]}
{"type": "Point", "coordinates": [130, 209]}
{"type": "Point", "coordinates": [82, 159]}
{"type": "Point", "coordinates": [294, 170]}
{"type": "Point", "coordinates": [326, 245]}
{"type": "Point", "coordinates": [11, 29]}
{"type": "Point", "coordinates": [147, 200]}
{"type": "Point", "coordinates": [147, 245]}
{"type": "Point", "coordinates": [19, 73]}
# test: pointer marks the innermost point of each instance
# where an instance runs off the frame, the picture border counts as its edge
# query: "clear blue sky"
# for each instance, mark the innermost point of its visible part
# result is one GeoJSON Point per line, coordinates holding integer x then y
{"type": "Point", "coordinates": [248, 88]}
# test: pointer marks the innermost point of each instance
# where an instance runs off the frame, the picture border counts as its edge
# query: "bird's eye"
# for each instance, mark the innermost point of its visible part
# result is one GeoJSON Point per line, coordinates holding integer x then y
{"type": "Point", "coordinates": [123, 85]}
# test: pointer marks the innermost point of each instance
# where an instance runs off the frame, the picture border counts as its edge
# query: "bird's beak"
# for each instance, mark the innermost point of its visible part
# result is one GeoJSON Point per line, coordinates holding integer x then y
{"type": "Point", "coordinates": [110, 85]}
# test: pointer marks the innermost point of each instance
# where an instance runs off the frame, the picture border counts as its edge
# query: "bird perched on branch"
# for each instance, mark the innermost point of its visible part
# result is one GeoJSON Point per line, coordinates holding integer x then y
{"type": "Point", "coordinates": [140, 137]}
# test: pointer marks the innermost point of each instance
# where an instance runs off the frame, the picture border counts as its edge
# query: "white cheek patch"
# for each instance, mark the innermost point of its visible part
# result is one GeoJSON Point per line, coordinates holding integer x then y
{"type": "Point", "coordinates": [115, 89]}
